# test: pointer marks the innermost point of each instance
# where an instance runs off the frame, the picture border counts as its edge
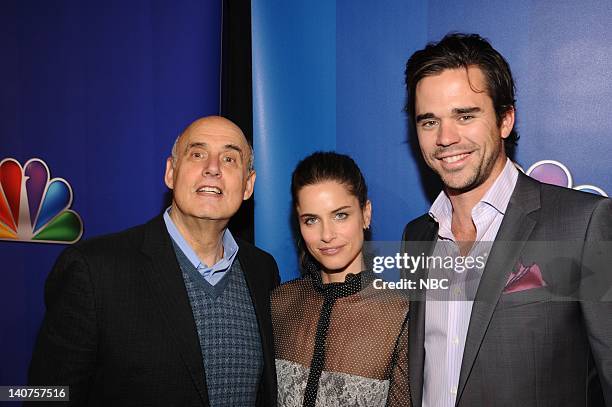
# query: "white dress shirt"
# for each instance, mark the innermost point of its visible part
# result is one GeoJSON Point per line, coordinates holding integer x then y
{"type": "Point", "coordinates": [447, 312]}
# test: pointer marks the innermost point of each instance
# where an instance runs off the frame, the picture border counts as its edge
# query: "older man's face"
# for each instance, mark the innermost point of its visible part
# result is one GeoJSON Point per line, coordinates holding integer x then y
{"type": "Point", "coordinates": [210, 176]}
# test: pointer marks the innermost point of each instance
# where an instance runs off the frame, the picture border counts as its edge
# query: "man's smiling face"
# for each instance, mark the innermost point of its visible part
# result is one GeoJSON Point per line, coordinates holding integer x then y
{"type": "Point", "coordinates": [457, 129]}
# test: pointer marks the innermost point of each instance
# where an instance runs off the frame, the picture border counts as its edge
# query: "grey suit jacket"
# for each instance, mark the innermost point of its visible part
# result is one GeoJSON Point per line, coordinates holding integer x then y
{"type": "Point", "coordinates": [528, 348]}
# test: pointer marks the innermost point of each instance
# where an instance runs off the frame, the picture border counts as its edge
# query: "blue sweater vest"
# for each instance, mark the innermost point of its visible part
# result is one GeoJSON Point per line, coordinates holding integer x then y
{"type": "Point", "coordinates": [228, 332]}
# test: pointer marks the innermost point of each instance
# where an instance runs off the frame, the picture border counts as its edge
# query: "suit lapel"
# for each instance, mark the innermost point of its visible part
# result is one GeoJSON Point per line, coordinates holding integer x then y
{"type": "Point", "coordinates": [165, 280]}
{"type": "Point", "coordinates": [419, 240]}
{"type": "Point", "coordinates": [516, 227]}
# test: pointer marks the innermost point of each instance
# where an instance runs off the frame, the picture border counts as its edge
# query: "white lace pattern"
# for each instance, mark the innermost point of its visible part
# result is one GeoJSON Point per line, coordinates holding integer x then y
{"type": "Point", "coordinates": [335, 389]}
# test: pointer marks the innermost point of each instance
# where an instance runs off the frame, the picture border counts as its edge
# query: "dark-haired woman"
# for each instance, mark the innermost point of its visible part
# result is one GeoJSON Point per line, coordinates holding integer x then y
{"type": "Point", "coordinates": [339, 342]}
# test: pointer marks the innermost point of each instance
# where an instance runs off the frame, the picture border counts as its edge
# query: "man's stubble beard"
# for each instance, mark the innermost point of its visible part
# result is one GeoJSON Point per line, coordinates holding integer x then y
{"type": "Point", "coordinates": [477, 175]}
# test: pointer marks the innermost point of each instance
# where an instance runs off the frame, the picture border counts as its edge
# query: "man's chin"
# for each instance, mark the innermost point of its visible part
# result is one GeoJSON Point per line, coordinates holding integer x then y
{"type": "Point", "coordinates": [215, 211]}
{"type": "Point", "coordinates": [210, 215]}
{"type": "Point", "coordinates": [206, 216]}
{"type": "Point", "coordinates": [459, 184]}
{"type": "Point", "coordinates": [456, 179]}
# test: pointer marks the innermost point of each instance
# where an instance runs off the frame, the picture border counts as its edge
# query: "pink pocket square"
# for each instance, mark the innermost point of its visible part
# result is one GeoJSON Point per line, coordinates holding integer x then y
{"type": "Point", "coordinates": [524, 278]}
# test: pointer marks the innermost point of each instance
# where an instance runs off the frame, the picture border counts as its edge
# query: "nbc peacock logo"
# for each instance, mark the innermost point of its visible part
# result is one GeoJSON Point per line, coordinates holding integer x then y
{"type": "Point", "coordinates": [555, 173]}
{"type": "Point", "coordinates": [35, 208]}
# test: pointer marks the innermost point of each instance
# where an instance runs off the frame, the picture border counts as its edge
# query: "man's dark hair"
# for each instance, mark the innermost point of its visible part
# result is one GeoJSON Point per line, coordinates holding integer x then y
{"type": "Point", "coordinates": [459, 50]}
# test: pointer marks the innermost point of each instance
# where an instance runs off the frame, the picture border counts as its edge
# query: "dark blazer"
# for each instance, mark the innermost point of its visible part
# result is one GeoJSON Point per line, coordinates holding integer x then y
{"type": "Point", "coordinates": [527, 348]}
{"type": "Point", "coordinates": [119, 328]}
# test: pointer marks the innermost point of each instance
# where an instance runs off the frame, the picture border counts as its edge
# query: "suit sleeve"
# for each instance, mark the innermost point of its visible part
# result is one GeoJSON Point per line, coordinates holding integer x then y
{"type": "Point", "coordinates": [65, 350]}
{"type": "Point", "coordinates": [596, 294]}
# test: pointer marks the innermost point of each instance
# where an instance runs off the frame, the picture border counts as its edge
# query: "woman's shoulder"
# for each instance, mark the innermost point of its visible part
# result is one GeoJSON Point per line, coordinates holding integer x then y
{"type": "Point", "coordinates": [292, 288]}
{"type": "Point", "coordinates": [390, 300]}
{"type": "Point", "coordinates": [291, 299]}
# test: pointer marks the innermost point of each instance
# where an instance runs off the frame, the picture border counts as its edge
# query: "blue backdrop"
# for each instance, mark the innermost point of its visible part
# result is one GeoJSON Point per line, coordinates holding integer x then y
{"type": "Point", "coordinates": [559, 51]}
{"type": "Point", "coordinates": [294, 108]}
{"type": "Point", "coordinates": [98, 90]}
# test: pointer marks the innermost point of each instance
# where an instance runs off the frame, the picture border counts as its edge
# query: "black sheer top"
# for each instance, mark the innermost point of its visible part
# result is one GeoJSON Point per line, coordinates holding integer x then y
{"type": "Point", "coordinates": [340, 344]}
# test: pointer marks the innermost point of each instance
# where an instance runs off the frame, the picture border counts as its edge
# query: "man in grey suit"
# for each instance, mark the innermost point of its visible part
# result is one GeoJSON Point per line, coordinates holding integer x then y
{"type": "Point", "coordinates": [535, 331]}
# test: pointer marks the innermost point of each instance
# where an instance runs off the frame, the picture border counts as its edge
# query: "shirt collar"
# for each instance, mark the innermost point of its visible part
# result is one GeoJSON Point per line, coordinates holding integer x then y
{"type": "Point", "coordinates": [230, 247]}
{"type": "Point", "coordinates": [498, 196]}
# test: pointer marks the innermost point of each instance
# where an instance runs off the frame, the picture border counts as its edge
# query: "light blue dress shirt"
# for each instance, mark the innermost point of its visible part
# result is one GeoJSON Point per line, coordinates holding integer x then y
{"type": "Point", "coordinates": [212, 274]}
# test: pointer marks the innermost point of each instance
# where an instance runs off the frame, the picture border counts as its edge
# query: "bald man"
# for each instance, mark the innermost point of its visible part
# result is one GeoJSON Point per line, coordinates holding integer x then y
{"type": "Point", "coordinates": [172, 312]}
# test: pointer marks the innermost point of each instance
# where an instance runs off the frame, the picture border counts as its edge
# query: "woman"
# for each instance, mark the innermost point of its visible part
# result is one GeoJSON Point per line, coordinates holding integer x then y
{"type": "Point", "coordinates": [338, 341]}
